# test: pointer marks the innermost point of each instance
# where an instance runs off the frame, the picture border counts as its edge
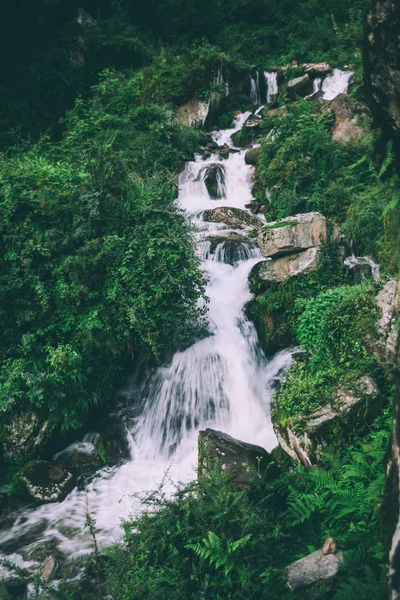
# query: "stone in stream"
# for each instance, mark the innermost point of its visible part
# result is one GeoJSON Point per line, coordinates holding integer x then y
{"type": "Point", "coordinates": [49, 569]}
{"type": "Point", "coordinates": [80, 458]}
{"type": "Point", "coordinates": [214, 179]}
{"type": "Point", "coordinates": [241, 460]}
{"type": "Point", "coordinates": [252, 156]}
{"type": "Point", "coordinates": [305, 437]}
{"type": "Point", "coordinates": [301, 86]}
{"type": "Point", "coordinates": [294, 234]}
{"type": "Point", "coordinates": [46, 482]}
{"type": "Point", "coordinates": [311, 577]}
{"type": "Point", "coordinates": [233, 217]}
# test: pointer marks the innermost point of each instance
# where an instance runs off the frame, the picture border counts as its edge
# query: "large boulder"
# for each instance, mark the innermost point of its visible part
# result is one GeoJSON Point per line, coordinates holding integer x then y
{"type": "Point", "coordinates": [311, 577]}
{"type": "Point", "coordinates": [294, 234]}
{"type": "Point", "coordinates": [193, 113]}
{"type": "Point", "coordinates": [301, 86]}
{"type": "Point", "coordinates": [346, 127]}
{"type": "Point", "coordinates": [46, 482]}
{"type": "Point", "coordinates": [252, 156]}
{"type": "Point", "coordinates": [80, 458]}
{"type": "Point", "coordinates": [240, 459]}
{"type": "Point", "coordinates": [214, 179]}
{"type": "Point", "coordinates": [234, 217]}
{"type": "Point", "coordinates": [305, 436]}
{"type": "Point", "coordinates": [292, 265]}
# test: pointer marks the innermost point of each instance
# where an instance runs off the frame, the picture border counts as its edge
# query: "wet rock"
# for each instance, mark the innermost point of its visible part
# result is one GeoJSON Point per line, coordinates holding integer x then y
{"type": "Point", "coordinates": [243, 461]}
{"type": "Point", "coordinates": [294, 234]}
{"type": "Point", "coordinates": [234, 217]}
{"type": "Point", "coordinates": [388, 300]}
{"type": "Point", "coordinates": [272, 327]}
{"type": "Point", "coordinates": [292, 265]}
{"type": "Point", "coordinates": [322, 68]}
{"type": "Point", "coordinates": [301, 86]}
{"type": "Point", "coordinates": [254, 207]}
{"type": "Point", "coordinates": [46, 482]}
{"type": "Point", "coordinates": [311, 577]}
{"type": "Point", "coordinates": [49, 569]}
{"type": "Point", "coordinates": [80, 458]}
{"type": "Point", "coordinates": [252, 156]}
{"type": "Point", "coordinates": [193, 113]}
{"type": "Point", "coordinates": [214, 179]}
{"type": "Point", "coordinates": [112, 444]}
{"type": "Point", "coordinates": [346, 128]}
{"type": "Point", "coordinates": [305, 437]}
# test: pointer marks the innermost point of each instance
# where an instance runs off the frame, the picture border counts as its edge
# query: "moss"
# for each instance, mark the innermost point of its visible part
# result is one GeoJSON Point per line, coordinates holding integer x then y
{"type": "Point", "coordinates": [280, 224]}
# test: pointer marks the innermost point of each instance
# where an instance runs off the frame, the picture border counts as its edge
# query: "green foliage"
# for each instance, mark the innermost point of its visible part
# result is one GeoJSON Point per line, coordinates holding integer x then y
{"type": "Point", "coordinates": [208, 541]}
{"type": "Point", "coordinates": [334, 328]}
{"type": "Point", "coordinates": [303, 170]}
{"type": "Point", "coordinates": [97, 260]}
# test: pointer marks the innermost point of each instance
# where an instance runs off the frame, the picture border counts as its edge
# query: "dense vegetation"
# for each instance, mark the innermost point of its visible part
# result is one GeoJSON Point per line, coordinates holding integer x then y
{"type": "Point", "coordinates": [98, 270]}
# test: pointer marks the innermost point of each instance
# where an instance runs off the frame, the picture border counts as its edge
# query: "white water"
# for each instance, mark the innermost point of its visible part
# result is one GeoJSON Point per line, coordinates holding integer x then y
{"type": "Point", "coordinates": [255, 89]}
{"type": "Point", "coordinates": [271, 81]}
{"type": "Point", "coordinates": [222, 381]}
{"type": "Point", "coordinates": [354, 261]}
{"type": "Point", "coordinates": [336, 83]}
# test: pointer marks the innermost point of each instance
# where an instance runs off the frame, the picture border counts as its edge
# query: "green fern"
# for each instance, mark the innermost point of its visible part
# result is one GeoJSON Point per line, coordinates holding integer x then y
{"type": "Point", "coordinates": [216, 553]}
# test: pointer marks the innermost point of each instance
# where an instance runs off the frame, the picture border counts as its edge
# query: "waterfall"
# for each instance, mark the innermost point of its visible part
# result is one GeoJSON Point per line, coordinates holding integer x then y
{"type": "Point", "coordinates": [255, 89]}
{"type": "Point", "coordinates": [336, 83]}
{"type": "Point", "coordinates": [222, 381]}
{"type": "Point", "coordinates": [361, 261]}
{"type": "Point", "coordinates": [271, 81]}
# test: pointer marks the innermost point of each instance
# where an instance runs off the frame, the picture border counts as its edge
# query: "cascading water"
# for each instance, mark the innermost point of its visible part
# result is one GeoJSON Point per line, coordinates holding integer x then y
{"type": "Point", "coordinates": [271, 82]}
{"type": "Point", "coordinates": [255, 89]}
{"type": "Point", "coordinates": [336, 83]}
{"type": "Point", "coordinates": [222, 381]}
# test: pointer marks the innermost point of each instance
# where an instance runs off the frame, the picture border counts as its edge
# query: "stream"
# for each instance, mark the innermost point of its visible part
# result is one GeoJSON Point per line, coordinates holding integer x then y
{"type": "Point", "coordinates": [223, 381]}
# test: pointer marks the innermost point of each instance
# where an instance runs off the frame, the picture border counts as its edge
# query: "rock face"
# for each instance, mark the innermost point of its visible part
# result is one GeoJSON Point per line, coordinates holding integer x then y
{"type": "Point", "coordinates": [240, 459]}
{"type": "Point", "coordinates": [305, 439]}
{"type": "Point", "coordinates": [388, 300]}
{"type": "Point", "coordinates": [301, 86]}
{"type": "Point", "coordinates": [233, 217]}
{"type": "Point", "coordinates": [214, 179]}
{"type": "Point", "coordinates": [292, 265]}
{"type": "Point", "coordinates": [193, 113]}
{"type": "Point", "coordinates": [346, 128]}
{"type": "Point", "coordinates": [382, 62]}
{"type": "Point", "coordinates": [46, 482]}
{"type": "Point", "coordinates": [25, 435]}
{"type": "Point", "coordinates": [294, 234]}
{"type": "Point", "coordinates": [312, 576]}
